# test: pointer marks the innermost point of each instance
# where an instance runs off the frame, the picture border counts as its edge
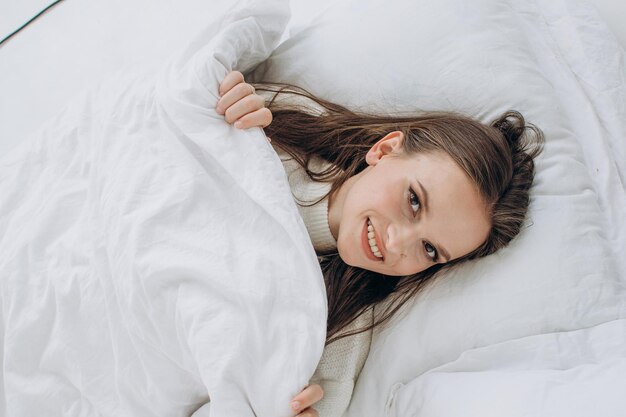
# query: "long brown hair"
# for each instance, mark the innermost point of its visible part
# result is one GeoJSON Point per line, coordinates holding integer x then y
{"type": "Point", "coordinates": [497, 157]}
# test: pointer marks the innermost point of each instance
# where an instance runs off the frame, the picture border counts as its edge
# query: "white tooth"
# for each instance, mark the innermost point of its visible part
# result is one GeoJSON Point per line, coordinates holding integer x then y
{"type": "Point", "coordinates": [372, 241]}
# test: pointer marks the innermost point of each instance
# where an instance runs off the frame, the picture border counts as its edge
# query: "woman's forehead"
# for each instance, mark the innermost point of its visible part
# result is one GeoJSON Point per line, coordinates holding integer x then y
{"type": "Point", "coordinates": [436, 164]}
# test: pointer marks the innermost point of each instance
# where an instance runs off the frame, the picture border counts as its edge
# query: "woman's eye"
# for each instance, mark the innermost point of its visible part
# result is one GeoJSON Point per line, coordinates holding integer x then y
{"type": "Point", "coordinates": [431, 251]}
{"type": "Point", "coordinates": [414, 201]}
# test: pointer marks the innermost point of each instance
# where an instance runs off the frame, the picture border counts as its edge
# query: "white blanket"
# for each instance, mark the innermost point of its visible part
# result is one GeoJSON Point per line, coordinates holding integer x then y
{"type": "Point", "coordinates": [152, 256]}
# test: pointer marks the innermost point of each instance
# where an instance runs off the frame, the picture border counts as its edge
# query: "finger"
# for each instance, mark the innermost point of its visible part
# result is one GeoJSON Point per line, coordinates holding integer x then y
{"type": "Point", "coordinates": [309, 412]}
{"type": "Point", "coordinates": [232, 79]}
{"type": "Point", "coordinates": [248, 104]}
{"type": "Point", "coordinates": [235, 94]}
{"type": "Point", "coordinates": [260, 118]}
{"type": "Point", "coordinates": [309, 396]}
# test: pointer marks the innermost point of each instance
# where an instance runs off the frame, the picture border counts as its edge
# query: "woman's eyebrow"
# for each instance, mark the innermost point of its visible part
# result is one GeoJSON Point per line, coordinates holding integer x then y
{"type": "Point", "coordinates": [424, 201]}
{"type": "Point", "coordinates": [424, 194]}
{"type": "Point", "coordinates": [445, 253]}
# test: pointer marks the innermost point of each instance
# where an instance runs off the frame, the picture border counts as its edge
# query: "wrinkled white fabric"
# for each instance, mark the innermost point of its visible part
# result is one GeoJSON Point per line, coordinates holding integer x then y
{"type": "Point", "coordinates": [152, 256]}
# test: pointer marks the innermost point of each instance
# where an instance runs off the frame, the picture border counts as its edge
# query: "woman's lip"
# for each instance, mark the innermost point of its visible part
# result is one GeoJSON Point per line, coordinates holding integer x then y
{"type": "Point", "coordinates": [366, 245]}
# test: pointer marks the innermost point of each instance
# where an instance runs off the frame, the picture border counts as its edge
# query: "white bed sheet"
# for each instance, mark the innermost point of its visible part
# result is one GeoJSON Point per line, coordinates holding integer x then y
{"type": "Point", "coordinates": [75, 45]}
{"type": "Point", "coordinates": [17, 12]}
{"type": "Point", "coordinates": [581, 61]}
{"type": "Point", "coordinates": [151, 255]}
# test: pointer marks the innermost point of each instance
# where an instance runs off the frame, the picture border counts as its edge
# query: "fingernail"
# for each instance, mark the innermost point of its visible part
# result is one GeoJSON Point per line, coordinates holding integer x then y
{"type": "Point", "coordinates": [238, 125]}
{"type": "Point", "coordinates": [295, 405]}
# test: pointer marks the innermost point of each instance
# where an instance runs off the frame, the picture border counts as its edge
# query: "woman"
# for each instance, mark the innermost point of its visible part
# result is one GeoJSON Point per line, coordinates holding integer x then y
{"type": "Point", "coordinates": [404, 197]}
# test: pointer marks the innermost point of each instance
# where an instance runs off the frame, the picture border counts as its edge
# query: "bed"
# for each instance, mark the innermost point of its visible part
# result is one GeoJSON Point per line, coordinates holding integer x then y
{"type": "Point", "coordinates": [536, 329]}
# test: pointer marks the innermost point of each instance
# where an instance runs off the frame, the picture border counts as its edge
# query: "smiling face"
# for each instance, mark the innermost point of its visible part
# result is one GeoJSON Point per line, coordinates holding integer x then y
{"type": "Point", "coordinates": [421, 209]}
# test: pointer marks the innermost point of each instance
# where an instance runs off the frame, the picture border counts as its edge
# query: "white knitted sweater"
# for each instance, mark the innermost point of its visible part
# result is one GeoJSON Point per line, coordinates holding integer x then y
{"type": "Point", "coordinates": [342, 361]}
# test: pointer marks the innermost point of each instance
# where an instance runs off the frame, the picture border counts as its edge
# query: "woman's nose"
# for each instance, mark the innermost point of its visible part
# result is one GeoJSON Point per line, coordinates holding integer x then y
{"type": "Point", "coordinates": [402, 239]}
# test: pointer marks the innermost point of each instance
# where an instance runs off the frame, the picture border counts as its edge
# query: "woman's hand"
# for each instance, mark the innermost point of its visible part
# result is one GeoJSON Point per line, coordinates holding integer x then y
{"type": "Point", "coordinates": [240, 105]}
{"type": "Point", "coordinates": [302, 402]}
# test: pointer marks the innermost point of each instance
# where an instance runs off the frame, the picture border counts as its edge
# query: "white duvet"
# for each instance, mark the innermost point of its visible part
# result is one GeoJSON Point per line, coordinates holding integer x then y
{"type": "Point", "coordinates": [151, 255]}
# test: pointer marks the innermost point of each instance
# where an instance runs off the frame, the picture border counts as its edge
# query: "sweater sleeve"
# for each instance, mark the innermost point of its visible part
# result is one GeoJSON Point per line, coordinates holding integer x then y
{"type": "Point", "coordinates": [340, 366]}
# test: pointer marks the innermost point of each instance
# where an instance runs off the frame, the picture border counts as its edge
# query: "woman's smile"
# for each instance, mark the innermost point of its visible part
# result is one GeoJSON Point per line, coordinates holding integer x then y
{"type": "Point", "coordinates": [372, 244]}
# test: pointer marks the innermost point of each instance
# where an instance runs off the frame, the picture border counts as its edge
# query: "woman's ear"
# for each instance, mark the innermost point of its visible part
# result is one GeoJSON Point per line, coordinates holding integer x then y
{"type": "Point", "coordinates": [387, 145]}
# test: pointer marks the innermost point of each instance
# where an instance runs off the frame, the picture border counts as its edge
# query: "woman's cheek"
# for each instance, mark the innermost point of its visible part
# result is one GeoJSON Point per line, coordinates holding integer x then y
{"type": "Point", "coordinates": [344, 250]}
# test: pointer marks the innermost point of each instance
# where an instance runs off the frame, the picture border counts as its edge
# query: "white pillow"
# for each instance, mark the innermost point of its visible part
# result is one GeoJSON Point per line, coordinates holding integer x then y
{"type": "Point", "coordinates": [474, 57]}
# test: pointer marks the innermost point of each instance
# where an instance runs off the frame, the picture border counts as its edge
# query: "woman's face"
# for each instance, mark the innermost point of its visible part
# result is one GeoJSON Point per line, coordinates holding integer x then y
{"type": "Point", "coordinates": [421, 210]}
